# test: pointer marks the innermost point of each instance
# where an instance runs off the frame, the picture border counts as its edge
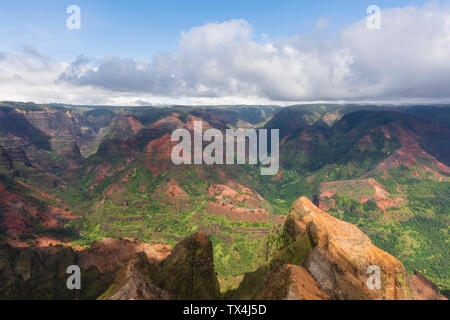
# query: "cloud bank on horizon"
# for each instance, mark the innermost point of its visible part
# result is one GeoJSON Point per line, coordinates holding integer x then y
{"type": "Point", "coordinates": [222, 63]}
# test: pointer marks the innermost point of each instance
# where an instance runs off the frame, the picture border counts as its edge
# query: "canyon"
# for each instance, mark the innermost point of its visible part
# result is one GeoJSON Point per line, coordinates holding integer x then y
{"type": "Point", "coordinates": [79, 182]}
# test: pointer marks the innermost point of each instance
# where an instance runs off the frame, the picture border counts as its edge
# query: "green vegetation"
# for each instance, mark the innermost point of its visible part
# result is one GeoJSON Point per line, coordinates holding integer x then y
{"type": "Point", "coordinates": [129, 212]}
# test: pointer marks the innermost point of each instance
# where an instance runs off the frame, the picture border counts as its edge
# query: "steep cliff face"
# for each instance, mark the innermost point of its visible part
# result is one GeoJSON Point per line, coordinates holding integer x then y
{"type": "Point", "coordinates": [55, 123]}
{"type": "Point", "coordinates": [64, 129]}
{"type": "Point", "coordinates": [189, 271]}
{"type": "Point", "coordinates": [342, 256]}
{"type": "Point", "coordinates": [49, 129]}
{"type": "Point", "coordinates": [290, 282]}
{"type": "Point", "coordinates": [24, 218]}
{"type": "Point", "coordinates": [134, 282]}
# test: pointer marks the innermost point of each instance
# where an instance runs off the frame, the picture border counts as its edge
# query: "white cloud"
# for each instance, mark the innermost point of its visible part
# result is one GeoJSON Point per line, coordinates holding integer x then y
{"type": "Point", "coordinates": [222, 63]}
{"type": "Point", "coordinates": [215, 35]}
{"type": "Point", "coordinates": [321, 25]}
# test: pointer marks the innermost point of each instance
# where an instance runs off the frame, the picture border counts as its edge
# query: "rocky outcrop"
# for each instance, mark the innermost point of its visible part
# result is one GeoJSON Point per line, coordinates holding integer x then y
{"type": "Point", "coordinates": [290, 282]}
{"type": "Point", "coordinates": [133, 283]}
{"type": "Point", "coordinates": [55, 123]}
{"type": "Point", "coordinates": [16, 130]}
{"type": "Point", "coordinates": [188, 272]}
{"type": "Point", "coordinates": [342, 255]}
{"type": "Point", "coordinates": [336, 263]}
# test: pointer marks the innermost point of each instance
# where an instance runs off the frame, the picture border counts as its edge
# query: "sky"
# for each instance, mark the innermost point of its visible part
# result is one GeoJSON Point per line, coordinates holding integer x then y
{"type": "Point", "coordinates": [138, 52]}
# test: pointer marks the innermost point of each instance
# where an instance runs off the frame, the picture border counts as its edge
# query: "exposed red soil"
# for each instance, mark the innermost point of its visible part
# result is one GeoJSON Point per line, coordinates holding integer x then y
{"type": "Point", "coordinates": [158, 154]}
{"type": "Point", "coordinates": [171, 193]}
{"type": "Point", "coordinates": [284, 140]}
{"type": "Point", "coordinates": [102, 171]}
{"type": "Point", "coordinates": [410, 153]}
{"type": "Point", "coordinates": [172, 120]}
{"type": "Point", "coordinates": [235, 193]}
{"type": "Point", "coordinates": [161, 148]}
{"type": "Point", "coordinates": [221, 174]}
{"type": "Point", "coordinates": [174, 190]}
{"type": "Point", "coordinates": [135, 125]}
{"type": "Point", "coordinates": [65, 209]}
{"type": "Point", "coordinates": [239, 203]}
{"type": "Point", "coordinates": [386, 132]}
{"type": "Point", "coordinates": [46, 242]}
{"type": "Point", "coordinates": [379, 192]}
{"type": "Point", "coordinates": [20, 216]}
{"type": "Point", "coordinates": [328, 194]}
